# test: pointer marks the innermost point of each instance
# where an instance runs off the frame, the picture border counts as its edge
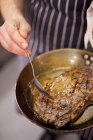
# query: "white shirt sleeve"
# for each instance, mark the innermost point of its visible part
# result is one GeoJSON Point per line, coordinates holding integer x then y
{"type": "Point", "coordinates": [89, 32]}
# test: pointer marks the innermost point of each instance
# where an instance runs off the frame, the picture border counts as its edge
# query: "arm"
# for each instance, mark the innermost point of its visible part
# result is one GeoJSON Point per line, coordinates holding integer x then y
{"type": "Point", "coordinates": [7, 7]}
{"type": "Point", "coordinates": [15, 30]}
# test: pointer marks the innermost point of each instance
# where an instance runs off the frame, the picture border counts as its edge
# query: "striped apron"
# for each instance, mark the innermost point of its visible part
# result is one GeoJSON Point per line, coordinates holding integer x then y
{"type": "Point", "coordinates": [57, 24]}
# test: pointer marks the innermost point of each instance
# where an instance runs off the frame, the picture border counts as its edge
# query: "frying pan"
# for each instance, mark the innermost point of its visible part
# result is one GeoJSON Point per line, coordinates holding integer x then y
{"type": "Point", "coordinates": [45, 62]}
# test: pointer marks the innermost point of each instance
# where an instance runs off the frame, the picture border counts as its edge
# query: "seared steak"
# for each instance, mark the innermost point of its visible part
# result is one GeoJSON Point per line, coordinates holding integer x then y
{"type": "Point", "coordinates": [71, 91]}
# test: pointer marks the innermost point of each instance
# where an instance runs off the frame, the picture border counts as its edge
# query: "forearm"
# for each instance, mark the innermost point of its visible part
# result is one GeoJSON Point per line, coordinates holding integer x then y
{"type": "Point", "coordinates": [8, 7]}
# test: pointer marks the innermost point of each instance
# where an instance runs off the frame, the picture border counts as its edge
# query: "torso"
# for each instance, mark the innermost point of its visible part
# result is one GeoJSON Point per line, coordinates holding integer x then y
{"type": "Point", "coordinates": [57, 24]}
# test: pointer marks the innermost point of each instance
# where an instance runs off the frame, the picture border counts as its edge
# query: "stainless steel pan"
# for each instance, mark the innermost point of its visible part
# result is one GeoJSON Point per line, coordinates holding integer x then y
{"type": "Point", "coordinates": [52, 60]}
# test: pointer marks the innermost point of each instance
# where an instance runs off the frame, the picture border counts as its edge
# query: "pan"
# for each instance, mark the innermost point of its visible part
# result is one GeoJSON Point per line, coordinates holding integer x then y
{"type": "Point", "coordinates": [60, 58]}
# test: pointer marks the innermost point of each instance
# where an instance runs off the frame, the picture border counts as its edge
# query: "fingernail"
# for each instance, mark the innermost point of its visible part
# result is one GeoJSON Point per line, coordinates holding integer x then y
{"type": "Point", "coordinates": [23, 34]}
{"type": "Point", "coordinates": [28, 53]}
{"type": "Point", "coordinates": [24, 45]}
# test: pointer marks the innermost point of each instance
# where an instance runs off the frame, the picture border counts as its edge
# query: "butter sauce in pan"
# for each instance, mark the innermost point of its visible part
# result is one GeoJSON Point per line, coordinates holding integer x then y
{"type": "Point", "coordinates": [72, 92]}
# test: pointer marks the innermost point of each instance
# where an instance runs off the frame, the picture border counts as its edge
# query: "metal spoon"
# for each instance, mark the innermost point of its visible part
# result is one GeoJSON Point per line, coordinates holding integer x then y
{"type": "Point", "coordinates": [36, 82]}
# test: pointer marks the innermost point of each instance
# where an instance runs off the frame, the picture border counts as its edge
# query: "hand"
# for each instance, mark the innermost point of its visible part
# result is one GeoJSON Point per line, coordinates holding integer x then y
{"type": "Point", "coordinates": [89, 33]}
{"type": "Point", "coordinates": [14, 33]}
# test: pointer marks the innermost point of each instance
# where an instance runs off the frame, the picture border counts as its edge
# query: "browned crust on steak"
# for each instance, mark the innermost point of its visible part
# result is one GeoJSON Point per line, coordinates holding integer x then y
{"type": "Point", "coordinates": [71, 91]}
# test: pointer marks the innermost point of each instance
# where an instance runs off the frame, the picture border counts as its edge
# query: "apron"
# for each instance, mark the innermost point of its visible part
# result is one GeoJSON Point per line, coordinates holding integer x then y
{"type": "Point", "coordinates": [57, 24]}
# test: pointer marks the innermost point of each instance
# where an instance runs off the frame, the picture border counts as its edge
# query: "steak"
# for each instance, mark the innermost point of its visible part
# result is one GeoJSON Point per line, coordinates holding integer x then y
{"type": "Point", "coordinates": [71, 92]}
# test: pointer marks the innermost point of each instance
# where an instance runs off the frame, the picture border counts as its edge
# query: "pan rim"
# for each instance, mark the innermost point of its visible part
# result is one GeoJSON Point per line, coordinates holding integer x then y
{"type": "Point", "coordinates": [49, 52]}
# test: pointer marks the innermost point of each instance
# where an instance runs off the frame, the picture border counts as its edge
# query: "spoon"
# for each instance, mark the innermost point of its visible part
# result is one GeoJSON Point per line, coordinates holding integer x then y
{"type": "Point", "coordinates": [36, 82]}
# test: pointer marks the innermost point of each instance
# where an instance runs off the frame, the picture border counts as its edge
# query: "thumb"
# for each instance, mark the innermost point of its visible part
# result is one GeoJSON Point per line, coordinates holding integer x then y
{"type": "Point", "coordinates": [25, 28]}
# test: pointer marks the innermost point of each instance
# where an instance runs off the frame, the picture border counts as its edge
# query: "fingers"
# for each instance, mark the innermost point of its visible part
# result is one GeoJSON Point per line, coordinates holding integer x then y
{"type": "Point", "coordinates": [15, 36]}
{"type": "Point", "coordinates": [9, 44]}
{"type": "Point", "coordinates": [24, 29]}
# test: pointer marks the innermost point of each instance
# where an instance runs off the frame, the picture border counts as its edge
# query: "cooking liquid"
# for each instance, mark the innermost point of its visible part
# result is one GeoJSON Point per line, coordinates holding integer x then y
{"type": "Point", "coordinates": [51, 74]}
{"type": "Point", "coordinates": [88, 114]}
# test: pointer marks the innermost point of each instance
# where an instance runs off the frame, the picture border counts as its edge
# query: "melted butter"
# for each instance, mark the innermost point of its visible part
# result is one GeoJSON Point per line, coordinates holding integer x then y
{"type": "Point", "coordinates": [51, 74]}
